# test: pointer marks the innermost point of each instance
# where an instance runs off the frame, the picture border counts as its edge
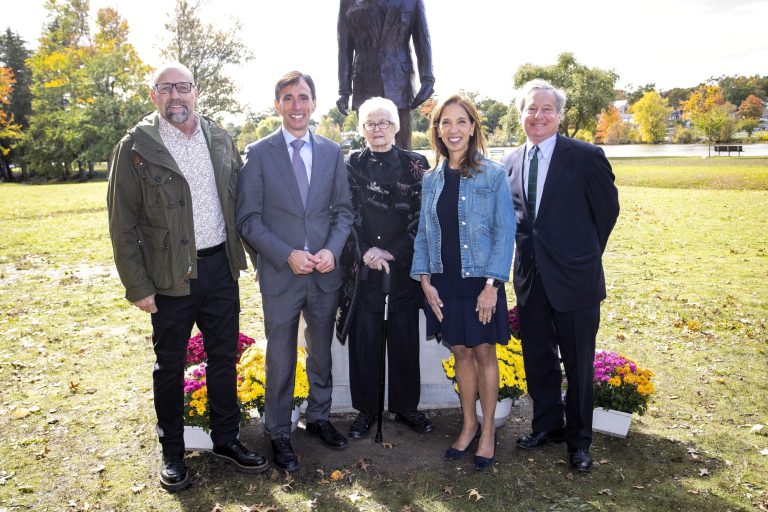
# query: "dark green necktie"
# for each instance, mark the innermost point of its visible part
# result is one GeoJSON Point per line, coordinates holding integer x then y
{"type": "Point", "coordinates": [533, 171]}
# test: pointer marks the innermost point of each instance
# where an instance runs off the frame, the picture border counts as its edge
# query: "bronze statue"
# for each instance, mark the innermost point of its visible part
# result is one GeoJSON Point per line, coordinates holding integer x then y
{"type": "Point", "coordinates": [375, 56]}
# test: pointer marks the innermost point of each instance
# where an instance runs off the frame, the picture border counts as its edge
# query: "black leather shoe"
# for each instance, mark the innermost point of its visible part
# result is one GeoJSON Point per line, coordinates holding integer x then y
{"type": "Point", "coordinates": [536, 439]}
{"type": "Point", "coordinates": [283, 455]}
{"type": "Point", "coordinates": [244, 460]}
{"type": "Point", "coordinates": [452, 453]}
{"type": "Point", "coordinates": [361, 425]}
{"type": "Point", "coordinates": [580, 459]}
{"type": "Point", "coordinates": [328, 435]}
{"type": "Point", "coordinates": [173, 475]}
{"type": "Point", "coordinates": [416, 420]}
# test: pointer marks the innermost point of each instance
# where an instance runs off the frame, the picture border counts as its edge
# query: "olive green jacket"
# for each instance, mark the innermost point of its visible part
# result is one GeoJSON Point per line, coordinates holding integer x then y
{"type": "Point", "coordinates": [150, 210]}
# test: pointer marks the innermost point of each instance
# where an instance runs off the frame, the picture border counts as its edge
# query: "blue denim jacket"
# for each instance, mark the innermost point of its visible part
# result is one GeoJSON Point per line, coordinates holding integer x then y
{"type": "Point", "coordinates": [486, 224]}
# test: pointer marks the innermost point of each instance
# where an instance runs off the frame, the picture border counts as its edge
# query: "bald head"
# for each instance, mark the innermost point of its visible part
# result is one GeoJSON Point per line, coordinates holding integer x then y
{"type": "Point", "coordinates": [172, 66]}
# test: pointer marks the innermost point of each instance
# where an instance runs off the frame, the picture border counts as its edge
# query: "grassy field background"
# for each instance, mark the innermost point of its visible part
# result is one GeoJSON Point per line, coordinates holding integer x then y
{"type": "Point", "coordinates": [686, 267]}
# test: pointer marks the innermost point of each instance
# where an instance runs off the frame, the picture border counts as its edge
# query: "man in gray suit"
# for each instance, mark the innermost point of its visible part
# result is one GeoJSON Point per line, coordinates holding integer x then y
{"type": "Point", "coordinates": [294, 210]}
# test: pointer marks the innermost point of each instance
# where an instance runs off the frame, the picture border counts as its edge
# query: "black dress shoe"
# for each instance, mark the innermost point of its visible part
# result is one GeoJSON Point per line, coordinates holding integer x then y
{"type": "Point", "coordinates": [580, 459]}
{"type": "Point", "coordinates": [283, 455]}
{"type": "Point", "coordinates": [536, 439]}
{"type": "Point", "coordinates": [452, 453]}
{"type": "Point", "coordinates": [328, 434]}
{"type": "Point", "coordinates": [416, 420]}
{"type": "Point", "coordinates": [361, 425]}
{"type": "Point", "coordinates": [173, 475]}
{"type": "Point", "coordinates": [244, 460]}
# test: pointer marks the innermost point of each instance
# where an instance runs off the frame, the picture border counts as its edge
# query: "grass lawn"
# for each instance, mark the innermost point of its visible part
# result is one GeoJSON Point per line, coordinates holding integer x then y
{"type": "Point", "coordinates": [686, 268]}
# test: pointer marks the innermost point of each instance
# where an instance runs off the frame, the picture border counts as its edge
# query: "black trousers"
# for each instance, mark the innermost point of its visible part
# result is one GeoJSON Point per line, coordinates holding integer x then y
{"type": "Point", "coordinates": [403, 378]}
{"type": "Point", "coordinates": [543, 330]}
{"type": "Point", "coordinates": [214, 304]}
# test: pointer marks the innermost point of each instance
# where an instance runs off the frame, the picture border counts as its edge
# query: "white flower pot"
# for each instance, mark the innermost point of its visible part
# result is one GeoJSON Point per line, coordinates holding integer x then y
{"type": "Point", "coordinates": [611, 422]}
{"type": "Point", "coordinates": [195, 438]}
{"type": "Point", "coordinates": [500, 415]}
{"type": "Point", "coordinates": [294, 418]}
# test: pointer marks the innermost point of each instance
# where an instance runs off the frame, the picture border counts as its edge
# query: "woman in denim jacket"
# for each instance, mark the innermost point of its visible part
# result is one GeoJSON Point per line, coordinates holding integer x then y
{"type": "Point", "coordinates": [462, 256]}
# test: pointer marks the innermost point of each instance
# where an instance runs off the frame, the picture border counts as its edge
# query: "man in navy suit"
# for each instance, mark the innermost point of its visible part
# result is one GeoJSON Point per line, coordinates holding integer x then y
{"type": "Point", "coordinates": [294, 211]}
{"type": "Point", "coordinates": [566, 205]}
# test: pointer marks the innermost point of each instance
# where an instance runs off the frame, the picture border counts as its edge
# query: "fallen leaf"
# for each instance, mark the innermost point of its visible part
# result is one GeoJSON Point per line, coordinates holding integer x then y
{"type": "Point", "coordinates": [569, 476]}
{"type": "Point", "coordinates": [764, 451]}
{"type": "Point", "coordinates": [559, 461]}
{"type": "Point", "coordinates": [758, 429]}
{"type": "Point", "coordinates": [703, 472]}
{"type": "Point", "coordinates": [20, 413]}
{"type": "Point", "coordinates": [693, 491]}
{"type": "Point", "coordinates": [98, 469]}
{"type": "Point", "coordinates": [5, 477]}
{"type": "Point", "coordinates": [137, 488]}
{"type": "Point", "coordinates": [606, 492]}
{"type": "Point", "coordinates": [387, 445]}
{"type": "Point", "coordinates": [355, 497]}
{"type": "Point", "coordinates": [604, 461]}
{"type": "Point", "coordinates": [476, 495]}
{"type": "Point", "coordinates": [73, 386]}
{"type": "Point", "coordinates": [34, 408]}
{"type": "Point", "coordinates": [217, 508]}
{"type": "Point", "coordinates": [638, 486]}
{"type": "Point", "coordinates": [321, 472]}
{"type": "Point", "coordinates": [448, 489]}
{"type": "Point", "coordinates": [26, 489]}
{"type": "Point", "coordinates": [336, 474]}
{"type": "Point", "coordinates": [363, 464]}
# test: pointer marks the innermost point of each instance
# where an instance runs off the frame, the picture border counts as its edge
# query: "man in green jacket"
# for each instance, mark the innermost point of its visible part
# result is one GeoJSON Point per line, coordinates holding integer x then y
{"type": "Point", "coordinates": [171, 205]}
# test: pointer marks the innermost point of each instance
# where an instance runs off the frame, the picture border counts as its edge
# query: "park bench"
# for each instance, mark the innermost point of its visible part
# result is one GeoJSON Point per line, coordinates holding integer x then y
{"type": "Point", "coordinates": [728, 148]}
{"type": "Point", "coordinates": [497, 153]}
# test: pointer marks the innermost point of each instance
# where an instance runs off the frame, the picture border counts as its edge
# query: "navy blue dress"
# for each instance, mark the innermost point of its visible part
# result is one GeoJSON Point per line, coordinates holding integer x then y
{"type": "Point", "coordinates": [461, 325]}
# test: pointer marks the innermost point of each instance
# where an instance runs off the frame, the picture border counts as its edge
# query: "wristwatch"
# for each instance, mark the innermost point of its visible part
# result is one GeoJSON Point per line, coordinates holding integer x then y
{"type": "Point", "coordinates": [496, 283]}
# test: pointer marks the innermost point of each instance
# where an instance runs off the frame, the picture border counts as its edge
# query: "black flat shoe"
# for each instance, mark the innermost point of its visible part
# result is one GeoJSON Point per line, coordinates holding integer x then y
{"type": "Point", "coordinates": [580, 459]}
{"type": "Point", "coordinates": [452, 453]}
{"type": "Point", "coordinates": [173, 475]}
{"type": "Point", "coordinates": [484, 462]}
{"type": "Point", "coordinates": [283, 455]}
{"type": "Point", "coordinates": [417, 421]}
{"type": "Point", "coordinates": [327, 433]}
{"type": "Point", "coordinates": [244, 460]}
{"type": "Point", "coordinates": [361, 425]}
{"type": "Point", "coordinates": [536, 439]}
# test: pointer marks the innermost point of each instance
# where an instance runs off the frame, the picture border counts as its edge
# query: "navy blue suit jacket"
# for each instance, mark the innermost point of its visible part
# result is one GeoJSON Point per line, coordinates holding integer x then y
{"type": "Point", "coordinates": [577, 211]}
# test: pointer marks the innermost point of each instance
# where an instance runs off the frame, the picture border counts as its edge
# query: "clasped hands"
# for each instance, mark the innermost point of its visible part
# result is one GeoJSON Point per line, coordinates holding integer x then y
{"type": "Point", "coordinates": [304, 262]}
{"type": "Point", "coordinates": [378, 259]}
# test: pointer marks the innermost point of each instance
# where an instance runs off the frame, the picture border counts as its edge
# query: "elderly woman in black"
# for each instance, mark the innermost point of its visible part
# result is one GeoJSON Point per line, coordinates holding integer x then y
{"type": "Point", "coordinates": [385, 183]}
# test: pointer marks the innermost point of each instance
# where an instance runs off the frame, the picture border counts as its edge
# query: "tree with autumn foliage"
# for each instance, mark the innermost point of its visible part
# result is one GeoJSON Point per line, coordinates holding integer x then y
{"type": "Point", "coordinates": [749, 114]}
{"type": "Point", "coordinates": [710, 114]}
{"type": "Point", "coordinates": [611, 129]}
{"type": "Point", "coordinates": [9, 130]}
{"type": "Point", "coordinates": [651, 113]}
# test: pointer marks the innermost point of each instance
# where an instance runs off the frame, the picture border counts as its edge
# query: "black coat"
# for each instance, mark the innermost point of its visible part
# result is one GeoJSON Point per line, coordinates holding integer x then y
{"type": "Point", "coordinates": [578, 209]}
{"type": "Point", "coordinates": [396, 208]}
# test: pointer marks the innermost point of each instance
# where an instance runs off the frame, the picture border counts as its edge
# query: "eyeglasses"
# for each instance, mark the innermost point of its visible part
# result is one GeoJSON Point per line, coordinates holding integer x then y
{"type": "Point", "coordinates": [167, 87]}
{"type": "Point", "coordinates": [382, 125]}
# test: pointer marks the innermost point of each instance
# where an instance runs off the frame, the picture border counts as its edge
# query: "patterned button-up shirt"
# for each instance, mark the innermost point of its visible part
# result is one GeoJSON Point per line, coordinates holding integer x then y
{"type": "Point", "coordinates": [194, 160]}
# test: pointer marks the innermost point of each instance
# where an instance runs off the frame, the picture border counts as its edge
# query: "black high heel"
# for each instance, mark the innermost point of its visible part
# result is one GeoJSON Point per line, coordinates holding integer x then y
{"type": "Point", "coordinates": [452, 453]}
{"type": "Point", "coordinates": [484, 462]}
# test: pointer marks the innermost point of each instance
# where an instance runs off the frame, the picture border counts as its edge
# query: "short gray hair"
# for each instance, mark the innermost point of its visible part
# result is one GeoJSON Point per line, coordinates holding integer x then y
{"type": "Point", "coordinates": [537, 84]}
{"type": "Point", "coordinates": [377, 104]}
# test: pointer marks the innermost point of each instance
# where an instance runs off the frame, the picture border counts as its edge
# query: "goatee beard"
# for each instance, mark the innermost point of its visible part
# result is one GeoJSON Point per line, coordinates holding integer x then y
{"type": "Point", "coordinates": [175, 116]}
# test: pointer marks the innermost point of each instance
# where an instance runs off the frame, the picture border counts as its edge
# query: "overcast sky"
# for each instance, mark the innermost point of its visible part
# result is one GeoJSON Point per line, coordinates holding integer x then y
{"type": "Point", "coordinates": [477, 45]}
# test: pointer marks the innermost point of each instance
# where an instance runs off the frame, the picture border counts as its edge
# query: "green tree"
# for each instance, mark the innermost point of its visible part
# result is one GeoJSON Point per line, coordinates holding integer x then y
{"type": "Point", "coordinates": [14, 54]}
{"type": "Point", "coordinates": [710, 114]}
{"type": "Point", "coordinates": [651, 113]}
{"type": "Point", "coordinates": [252, 132]}
{"type": "Point", "coordinates": [350, 122]}
{"type": "Point", "coordinates": [329, 129]}
{"type": "Point", "coordinates": [589, 90]}
{"type": "Point", "coordinates": [749, 125]}
{"type": "Point", "coordinates": [9, 131]}
{"type": "Point", "coordinates": [638, 93]}
{"type": "Point", "coordinates": [491, 111]}
{"type": "Point", "coordinates": [677, 95]}
{"type": "Point", "coordinates": [206, 51]}
{"type": "Point", "coordinates": [737, 88]}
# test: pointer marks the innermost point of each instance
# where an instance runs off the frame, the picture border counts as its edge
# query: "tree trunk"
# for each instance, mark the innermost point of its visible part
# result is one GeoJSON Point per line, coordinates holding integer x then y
{"type": "Point", "coordinates": [81, 176]}
{"type": "Point", "coordinates": [91, 170]}
{"type": "Point", "coordinates": [24, 173]}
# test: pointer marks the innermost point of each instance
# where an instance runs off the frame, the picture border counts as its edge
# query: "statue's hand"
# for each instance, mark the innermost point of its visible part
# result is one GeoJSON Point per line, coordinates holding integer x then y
{"type": "Point", "coordinates": [425, 92]}
{"type": "Point", "coordinates": [343, 104]}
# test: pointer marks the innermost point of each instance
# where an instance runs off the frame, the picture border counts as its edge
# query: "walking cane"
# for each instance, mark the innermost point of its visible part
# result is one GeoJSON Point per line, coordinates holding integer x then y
{"type": "Point", "coordinates": [386, 282]}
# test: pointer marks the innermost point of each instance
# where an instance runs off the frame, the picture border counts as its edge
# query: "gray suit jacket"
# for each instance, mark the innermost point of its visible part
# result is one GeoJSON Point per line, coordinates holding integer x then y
{"type": "Point", "coordinates": [272, 220]}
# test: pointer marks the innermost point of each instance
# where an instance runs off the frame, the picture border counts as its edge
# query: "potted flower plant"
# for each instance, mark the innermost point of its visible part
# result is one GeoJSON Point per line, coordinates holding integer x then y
{"type": "Point", "coordinates": [620, 388]}
{"type": "Point", "coordinates": [252, 378]}
{"type": "Point", "coordinates": [512, 383]}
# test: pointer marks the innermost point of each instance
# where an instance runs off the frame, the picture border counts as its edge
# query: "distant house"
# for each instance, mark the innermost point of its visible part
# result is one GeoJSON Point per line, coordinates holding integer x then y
{"type": "Point", "coordinates": [623, 107]}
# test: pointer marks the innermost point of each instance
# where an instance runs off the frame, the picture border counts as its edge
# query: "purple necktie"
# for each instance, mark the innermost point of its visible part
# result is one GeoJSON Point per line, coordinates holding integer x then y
{"type": "Point", "coordinates": [300, 170]}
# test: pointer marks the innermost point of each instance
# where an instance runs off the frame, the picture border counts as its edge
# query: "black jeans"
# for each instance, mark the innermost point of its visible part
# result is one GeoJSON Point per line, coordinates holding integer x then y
{"type": "Point", "coordinates": [214, 304]}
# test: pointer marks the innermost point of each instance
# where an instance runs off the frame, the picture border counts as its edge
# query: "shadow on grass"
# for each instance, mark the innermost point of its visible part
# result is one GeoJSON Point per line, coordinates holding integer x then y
{"type": "Point", "coordinates": [642, 472]}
